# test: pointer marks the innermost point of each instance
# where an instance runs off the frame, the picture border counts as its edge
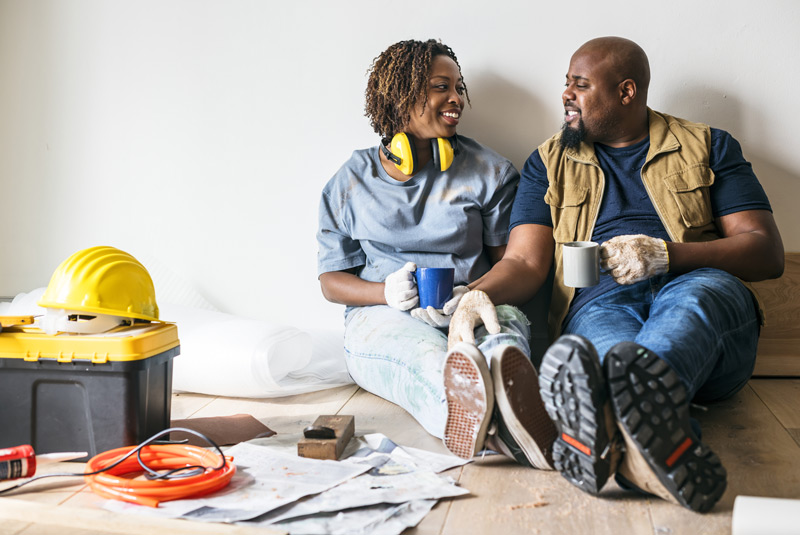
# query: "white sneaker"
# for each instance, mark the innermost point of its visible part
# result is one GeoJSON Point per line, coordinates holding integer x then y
{"type": "Point", "coordinates": [470, 400]}
{"type": "Point", "coordinates": [523, 423]}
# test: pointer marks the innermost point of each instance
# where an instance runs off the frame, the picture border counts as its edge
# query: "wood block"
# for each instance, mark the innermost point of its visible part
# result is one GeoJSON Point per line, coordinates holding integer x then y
{"type": "Point", "coordinates": [328, 448]}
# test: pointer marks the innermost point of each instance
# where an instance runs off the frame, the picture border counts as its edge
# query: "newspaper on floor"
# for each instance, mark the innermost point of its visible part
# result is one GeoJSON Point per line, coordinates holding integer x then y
{"type": "Point", "coordinates": [367, 448]}
{"type": "Point", "coordinates": [379, 487]}
{"type": "Point", "coordinates": [264, 480]}
{"type": "Point", "coordinates": [396, 475]}
{"type": "Point", "coordinates": [383, 519]}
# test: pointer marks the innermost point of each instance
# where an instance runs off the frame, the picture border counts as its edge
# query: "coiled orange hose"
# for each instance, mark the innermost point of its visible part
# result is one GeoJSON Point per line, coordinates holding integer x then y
{"type": "Point", "coordinates": [121, 482]}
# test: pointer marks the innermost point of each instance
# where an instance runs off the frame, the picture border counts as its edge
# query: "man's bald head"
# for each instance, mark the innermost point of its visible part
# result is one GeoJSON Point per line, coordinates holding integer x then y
{"type": "Point", "coordinates": [605, 99]}
{"type": "Point", "coordinates": [621, 58]}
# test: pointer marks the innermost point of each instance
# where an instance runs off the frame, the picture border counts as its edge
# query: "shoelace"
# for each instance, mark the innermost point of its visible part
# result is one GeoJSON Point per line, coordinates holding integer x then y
{"type": "Point", "coordinates": [615, 444]}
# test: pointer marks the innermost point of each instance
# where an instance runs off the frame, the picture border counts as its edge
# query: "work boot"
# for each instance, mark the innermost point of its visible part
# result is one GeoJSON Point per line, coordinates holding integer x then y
{"type": "Point", "coordinates": [575, 395]}
{"type": "Point", "coordinates": [470, 400]}
{"type": "Point", "coordinates": [522, 422]}
{"type": "Point", "coordinates": [664, 456]}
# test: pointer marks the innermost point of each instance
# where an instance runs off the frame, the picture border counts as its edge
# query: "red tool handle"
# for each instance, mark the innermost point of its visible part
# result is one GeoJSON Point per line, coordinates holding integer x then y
{"type": "Point", "coordinates": [16, 462]}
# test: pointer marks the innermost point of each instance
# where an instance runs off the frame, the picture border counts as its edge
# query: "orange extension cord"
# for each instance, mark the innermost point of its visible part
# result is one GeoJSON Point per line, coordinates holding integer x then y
{"type": "Point", "coordinates": [122, 482]}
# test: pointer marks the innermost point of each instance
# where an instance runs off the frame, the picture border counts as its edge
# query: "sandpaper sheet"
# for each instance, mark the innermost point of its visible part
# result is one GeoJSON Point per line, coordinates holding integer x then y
{"type": "Point", "coordinates": [224, 430]}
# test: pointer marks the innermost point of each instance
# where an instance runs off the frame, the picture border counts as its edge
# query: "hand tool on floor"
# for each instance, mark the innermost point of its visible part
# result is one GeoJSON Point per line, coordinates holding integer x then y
{"type": "Point", "coordinates": [327, 437]}
{"type": "Point", "coordinates": [21, 461]}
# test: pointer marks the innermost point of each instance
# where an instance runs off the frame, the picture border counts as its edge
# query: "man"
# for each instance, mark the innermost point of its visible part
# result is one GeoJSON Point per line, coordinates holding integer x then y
{"type": "Point", "coordinates": [682, 221]}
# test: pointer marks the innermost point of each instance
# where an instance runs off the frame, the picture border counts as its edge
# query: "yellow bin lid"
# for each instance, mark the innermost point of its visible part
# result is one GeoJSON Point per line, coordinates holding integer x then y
{"type": "Point", "coordinates": [123, 344]}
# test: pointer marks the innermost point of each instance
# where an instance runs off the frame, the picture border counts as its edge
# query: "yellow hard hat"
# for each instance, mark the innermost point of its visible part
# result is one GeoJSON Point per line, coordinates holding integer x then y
{"type": "Point", "coordinates": [102, 280]}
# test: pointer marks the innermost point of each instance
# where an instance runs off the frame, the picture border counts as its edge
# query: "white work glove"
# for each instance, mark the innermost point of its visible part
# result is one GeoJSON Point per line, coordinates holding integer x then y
{"type": "Point", "coordinates": [474, 310]}
{"type": "Point", "coordinates": [634, 258]}
{"type": "Point", "coordinates": [400, 290]}
{"type": "Point", "coordinates": [441, 317]}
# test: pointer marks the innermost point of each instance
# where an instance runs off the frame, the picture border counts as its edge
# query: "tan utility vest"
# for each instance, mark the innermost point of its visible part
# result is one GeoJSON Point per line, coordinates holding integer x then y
{"type": "Point", "coordinates": [675, 174]}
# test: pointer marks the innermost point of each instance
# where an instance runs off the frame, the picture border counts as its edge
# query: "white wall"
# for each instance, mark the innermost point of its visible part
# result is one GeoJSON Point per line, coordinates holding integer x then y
{"type": "Point", "coordinates": [201, 132]}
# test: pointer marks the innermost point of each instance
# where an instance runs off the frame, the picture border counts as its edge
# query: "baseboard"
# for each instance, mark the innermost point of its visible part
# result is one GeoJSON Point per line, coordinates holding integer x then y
{"type": "Point", "coordinates": [779, 344]}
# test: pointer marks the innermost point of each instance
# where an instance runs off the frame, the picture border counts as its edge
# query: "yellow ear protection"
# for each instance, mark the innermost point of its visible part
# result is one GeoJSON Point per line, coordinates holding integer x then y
{"type": "Point", "coordinates": [404, 155]}
{"type": "Point", "coordinates": [444, 152]}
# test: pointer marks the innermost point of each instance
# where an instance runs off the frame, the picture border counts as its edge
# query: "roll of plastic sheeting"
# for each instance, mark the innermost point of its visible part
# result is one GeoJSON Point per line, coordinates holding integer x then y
{"type": "Point", "coordinates": [753, 515]}
{"type": "Point", "coordinates": [226, 355]}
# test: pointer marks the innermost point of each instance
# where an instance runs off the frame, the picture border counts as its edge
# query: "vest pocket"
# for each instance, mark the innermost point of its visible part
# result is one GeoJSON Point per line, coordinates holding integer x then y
{"type": "Point", "coordinates": [690, 191]}
{"type": "Point", "coordinates": [565, 208]}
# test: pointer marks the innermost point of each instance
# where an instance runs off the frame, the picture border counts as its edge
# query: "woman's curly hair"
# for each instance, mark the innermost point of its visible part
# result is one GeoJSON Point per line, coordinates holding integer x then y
{"type": "Point", "coordinates": [398, 78]}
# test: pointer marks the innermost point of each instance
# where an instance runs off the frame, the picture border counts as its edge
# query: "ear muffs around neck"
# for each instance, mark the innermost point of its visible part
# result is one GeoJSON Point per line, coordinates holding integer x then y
{"type": "Point", "coordinates": [403, 154]}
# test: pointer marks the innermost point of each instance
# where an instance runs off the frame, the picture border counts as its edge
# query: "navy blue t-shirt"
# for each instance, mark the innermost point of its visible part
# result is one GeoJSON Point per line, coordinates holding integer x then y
{"type": "Point", "coordinates": [626, 208]}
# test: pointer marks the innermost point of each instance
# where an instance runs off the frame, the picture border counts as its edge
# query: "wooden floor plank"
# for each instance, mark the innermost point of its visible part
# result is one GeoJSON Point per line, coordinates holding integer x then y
{"type": "Point", "coordinates": [185, 405]}
{"type": "Point", "coordinates": [49, 491]}
{"type": "Point", "coordinates": [283, 415]}
{"type": "Point", "coordinates": [759, 455]}
{"type": "Point", "coordinates": [781, 396]}
{"type": "Point", "coordinates": [64, 519]}
{"type": "Point", "coordinates": [510, 499]}
{"type": "Point", "coordinates": [756, 434]}
{"type": "Point", "coordinates": [376, 415]}
{"type": "Point", "coordinates": [777, 345]}
{"type": "Point", "coordinates": [795, 433]}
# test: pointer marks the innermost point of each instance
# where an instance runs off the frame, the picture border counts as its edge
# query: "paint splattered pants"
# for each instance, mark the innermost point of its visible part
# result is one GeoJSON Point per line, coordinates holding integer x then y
{"type": "Point", "coordinates": [400, 358]}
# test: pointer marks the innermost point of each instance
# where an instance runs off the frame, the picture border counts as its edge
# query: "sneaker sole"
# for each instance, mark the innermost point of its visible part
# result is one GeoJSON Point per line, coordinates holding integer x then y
{"type": "Point", "coordinates": [516, 390]}
{"type": "Point", "coordinates": [575, 395]}
{"type": "Point", "coordinates": [663, 453]}
{"type": "Point", "coordinates": [470, 400]}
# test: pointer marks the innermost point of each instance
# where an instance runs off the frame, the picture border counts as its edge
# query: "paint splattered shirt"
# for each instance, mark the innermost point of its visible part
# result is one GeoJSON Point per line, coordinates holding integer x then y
{"type": "Point", "coordinates": [370, 221]}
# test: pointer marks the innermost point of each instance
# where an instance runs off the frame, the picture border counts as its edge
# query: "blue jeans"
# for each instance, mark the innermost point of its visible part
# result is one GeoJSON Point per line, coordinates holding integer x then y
{"type": "Point", "coordinates": [400, 358]}
{"type": "Point", "coordinates": [703, 323]}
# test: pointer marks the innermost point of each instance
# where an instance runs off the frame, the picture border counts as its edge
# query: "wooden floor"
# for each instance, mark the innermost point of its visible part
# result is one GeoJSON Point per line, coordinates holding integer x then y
{"type": "Point", "coordinates": [756, 434]}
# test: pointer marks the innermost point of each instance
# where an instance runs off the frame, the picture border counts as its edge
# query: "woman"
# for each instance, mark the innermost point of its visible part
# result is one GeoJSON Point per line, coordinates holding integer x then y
{"type": "Point", "coordinates": [430, 198]}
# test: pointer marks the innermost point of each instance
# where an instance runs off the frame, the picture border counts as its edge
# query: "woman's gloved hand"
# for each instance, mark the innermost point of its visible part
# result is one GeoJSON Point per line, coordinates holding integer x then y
{"type": "Point", "coordinates": [400, 289]}
{"type": "Point", "coordinates": [634, 258]}
{"type": "Point", "coordinates": [441, 317]}
{"type": "Point", "coordinates": [474, 309]}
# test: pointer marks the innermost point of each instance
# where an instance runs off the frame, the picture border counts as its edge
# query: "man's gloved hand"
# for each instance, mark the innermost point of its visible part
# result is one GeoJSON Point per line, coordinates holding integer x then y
{"type": "Point", "coordinates": [400, 290]}
{"type": "Point", "coordinates": [474, 310]}
{"type": "Point", "coordinates": [634, 258]}
{"type": "Point", "coordinates": [441, 317]}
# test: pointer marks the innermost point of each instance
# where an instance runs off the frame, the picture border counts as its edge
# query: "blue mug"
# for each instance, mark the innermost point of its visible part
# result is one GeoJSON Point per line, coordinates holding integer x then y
{"type": "Point", "coordinates": [435, 286]}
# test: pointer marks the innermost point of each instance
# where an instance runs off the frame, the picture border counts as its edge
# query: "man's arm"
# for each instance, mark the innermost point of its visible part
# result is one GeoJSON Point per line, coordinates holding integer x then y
{"type": "Point", "coordinates": [495, 253]}
{"type": "Point", "coordinates": [514, 280]}
{"type": "Point", "coordinates": [524, 267]}
{"type": "Point", "coordinates": [751, 248]}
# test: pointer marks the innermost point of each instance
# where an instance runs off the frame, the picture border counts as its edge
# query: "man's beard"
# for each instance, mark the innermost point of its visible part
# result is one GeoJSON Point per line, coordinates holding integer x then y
{"type": "Point", "coordinates": [571, 138]}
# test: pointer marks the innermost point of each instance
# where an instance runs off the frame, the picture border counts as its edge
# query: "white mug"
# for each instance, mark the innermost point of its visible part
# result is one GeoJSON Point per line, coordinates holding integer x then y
{"type": "Point", "coordinates": [581, 263]}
